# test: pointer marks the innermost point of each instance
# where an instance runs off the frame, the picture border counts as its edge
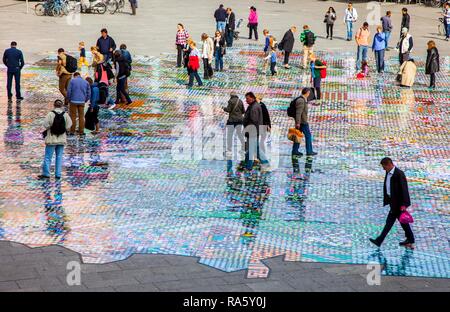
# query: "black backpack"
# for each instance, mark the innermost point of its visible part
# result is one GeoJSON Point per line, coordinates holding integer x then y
{"type": "Point", "coordinates": [309, 38]}
{"type": "Point", "coordinates": [59, 124]}
{"type": "Point", "coordinates": [291, 111]}
{"type": "Point", "coordinates": [71, 64]}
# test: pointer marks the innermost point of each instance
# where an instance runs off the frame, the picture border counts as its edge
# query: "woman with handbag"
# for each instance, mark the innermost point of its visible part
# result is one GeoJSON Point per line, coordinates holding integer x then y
{"type": "Point", "coordinates": [432, 64]}
{"type": "Point", "coordinates": [330, 18]}
{"type": "Point", "coordinates": [219, 50]}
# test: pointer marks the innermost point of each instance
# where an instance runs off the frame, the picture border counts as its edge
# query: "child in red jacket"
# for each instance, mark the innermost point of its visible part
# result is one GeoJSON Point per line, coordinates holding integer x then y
{"type": "Point", "coordinates": [194, 65]}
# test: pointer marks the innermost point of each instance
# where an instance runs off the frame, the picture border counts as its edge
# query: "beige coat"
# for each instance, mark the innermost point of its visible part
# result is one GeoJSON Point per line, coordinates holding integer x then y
{"type": "Point", "coordinates": [208, 49]}
{"type": "Point", "coordinates": [51, 139]}
{"type": "Point", "coordinates": [408, 71]}
{"type": "Point", "coordinates": [60, 68]}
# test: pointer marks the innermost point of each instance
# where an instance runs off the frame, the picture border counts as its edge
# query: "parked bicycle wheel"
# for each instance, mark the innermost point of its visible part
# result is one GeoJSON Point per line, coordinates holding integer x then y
{"type": "Point", "coordinates": [100, 8]}
{"type": "Point", "coordinates": [112, 6]}
{"type": "Point", "coordinates": [436, 3]}
{"type": "Point", "coordinates": [39, 9]}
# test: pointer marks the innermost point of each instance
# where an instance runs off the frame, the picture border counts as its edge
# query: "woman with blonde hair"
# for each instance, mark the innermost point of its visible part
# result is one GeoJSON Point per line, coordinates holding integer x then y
{"type": "Point", "coordinates": [207, 56]}
{"type": "Point", "coordinates": [432, 63]}
{"type": "Point", "coordinates": [194, 65]}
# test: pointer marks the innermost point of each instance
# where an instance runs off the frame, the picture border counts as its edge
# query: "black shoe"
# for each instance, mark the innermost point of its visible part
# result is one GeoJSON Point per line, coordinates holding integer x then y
{"type": "Point", "coordinates": [42, 177]}
{"type": "Point", "coordinates": [375, 242]}
{"type": "Point", "coordinates": [405, 243]}
{"type": "Point", "coordinates": [312, 154]}
{"type": "Point", "coordinates": [297, 154]}
{"type": "Point", "coordinates": [20, 98]}
{"type": "Point", "coordinates": [58, 178]}
{"type": "Point", "coordinates": [348, 39]}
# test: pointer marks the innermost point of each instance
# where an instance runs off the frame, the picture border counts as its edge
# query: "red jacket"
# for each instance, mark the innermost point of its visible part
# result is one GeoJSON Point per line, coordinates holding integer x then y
{"type": "Point", "coordinates": [194, 62]}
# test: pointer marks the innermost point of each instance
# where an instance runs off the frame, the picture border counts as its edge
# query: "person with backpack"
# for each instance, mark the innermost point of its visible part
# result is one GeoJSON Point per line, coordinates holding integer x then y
{"type": "Point", "coordinates": [56, 125]}
{"type": "Point", "coordinates": [362, 41]}
{"type": "Point", "coordinates": [127, 56]}
{"type": "Point", "coordinates": [106, 45]}
{"type": "Point", "coordinates": [78, 93]}
{"type": "Point", "coordinates": [298, 109]}
{"type": "Point", "coordinates": [65, 67]}
{"type": "Point", "coordinates": [287, 45]}
{"type": "Point", "coordinates": [236, 111]}
{"type": "Point", "coordinates": [122, 74]}
{"type": "Point", "coordinates": [308, 38]}
{"type": "Point", "coordinates": [316, 74]}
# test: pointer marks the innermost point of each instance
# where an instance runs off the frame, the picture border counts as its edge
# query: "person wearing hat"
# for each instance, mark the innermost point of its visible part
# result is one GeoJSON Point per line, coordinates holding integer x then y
{"type": "Point", "coordinates": [404, 46]}
{"type": "Point", "coordinates": [56, 125]}
{"type": "Point", "coordinates": [236, 111]}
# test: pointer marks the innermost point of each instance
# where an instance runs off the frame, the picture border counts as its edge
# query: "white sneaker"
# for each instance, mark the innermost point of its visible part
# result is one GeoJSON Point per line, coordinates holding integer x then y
{"type": "Point", "coordinates": [112, 106]}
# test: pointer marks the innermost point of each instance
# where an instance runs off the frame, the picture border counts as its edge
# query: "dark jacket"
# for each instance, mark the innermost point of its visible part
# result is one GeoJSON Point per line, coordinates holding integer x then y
{"type": "Point", "coordinates": [287, 43]}
{"type": "Point", "coordinates": [235, 110]}
{"type": "Point", "coordinates": [220, 15]}
{"type": "Point", "coordinates": [399, 192]}
{"type": "Point", "coordinates": [266, 115]}
{"type": "Point", "coordinates": [253, 115]}
{"type": "Point", "coordinates": [104, 44]}
{"type": "Point", "coordinates": [405, 21]}
{"type": "Point", "coordinates": [301, 111]}
{"type": "Point", "coordinates": [221, 44]}
{"type": "Point", "coordinates": [231, 25]}
{"type": "Point", "coordinates": [13, 59]}
{"type": "Point", "coordinates": [432, 64]}
{"type": "Point", "coordinates": [121, 67]}
{"type": "Point", "coordinates": [386, 23]}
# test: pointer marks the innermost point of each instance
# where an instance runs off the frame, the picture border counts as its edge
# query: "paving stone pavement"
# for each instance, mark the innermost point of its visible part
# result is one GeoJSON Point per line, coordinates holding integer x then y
{"type": "Point", "coordinates": [24, 269]}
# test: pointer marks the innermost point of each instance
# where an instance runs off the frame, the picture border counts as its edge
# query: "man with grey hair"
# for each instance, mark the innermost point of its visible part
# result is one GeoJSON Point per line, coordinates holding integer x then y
{"type": "Point", "coordinates": [404, 46]}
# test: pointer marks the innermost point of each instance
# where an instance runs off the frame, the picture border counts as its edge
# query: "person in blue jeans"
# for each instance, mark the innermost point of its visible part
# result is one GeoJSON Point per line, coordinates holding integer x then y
{"type": "Point", "coordinates": [122, 72]}
{"type": "Point", "coordinates": [219, 50]}
{"type": "Point", "coordinates": [301, 123]}
{"type": "Point", "coordinates": [362, 40]}
{"type": "Point", "coordinates": [13, 60]}
{"type": "Point", "coordinates": [221, 18]}
{"type": "Point", "coordinates": [350, 17]}
{"type": "Point", "coordinates": [378, 47]}
{"type": "Point", "coordinates": [54, 142]}
{"type": "Point", "coordinates": [387, 27]}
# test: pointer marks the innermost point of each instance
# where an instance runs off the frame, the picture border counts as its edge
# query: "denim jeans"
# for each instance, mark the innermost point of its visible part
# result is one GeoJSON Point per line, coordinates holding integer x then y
{"type": "Point", "coordinates": [194, 74]}
{"type": "Point", "coordinates": [447, 31]}
{"type": "Point", "coordinates": [49, 149]}
{"type": "Point", "coordinates": [234, 128]}
{"type": "Point", "coordinates": [349, 29]}
{"type": "Point", "coordinates": [379, 58]}
{"type": "Point", "coordinates": [219, 59]}
{"type": "Point", "coordinates": [362, 56]}
{"type": "Point", "coordinates": [304, 128]}
{"type": "Point", "coordinates": [16, 76]}
{"type": "Point", "coordinates": [295, 148]}
{"type": "Point", "coordinates": [221, 26]}
{"type": "Point", "coordinates": [388, 36]}
{"type": "Point", "coordinates": [229, 36]}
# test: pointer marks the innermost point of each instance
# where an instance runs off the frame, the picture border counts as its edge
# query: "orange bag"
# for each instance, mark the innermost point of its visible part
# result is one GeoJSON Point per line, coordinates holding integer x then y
{"type": "Point", "coordinates": [295, 135]}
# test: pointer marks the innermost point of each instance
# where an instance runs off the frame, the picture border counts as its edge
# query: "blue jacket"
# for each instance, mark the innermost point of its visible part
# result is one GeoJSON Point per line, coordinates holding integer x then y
{"type": "Point", "coordinates": [266, 46]}
{"type": "Point", "coordinates": [379, 42]}
{"type": "Point", "coordinates": [127, 56]}
{"type": "Point", "coordinates": [95, 95]}
{"type": "Point", "coordinates": [79, 91]}
{"type": "Point", "coordinates": [13, 59]}
{"type": "Point", "coordinates": [104, 45]}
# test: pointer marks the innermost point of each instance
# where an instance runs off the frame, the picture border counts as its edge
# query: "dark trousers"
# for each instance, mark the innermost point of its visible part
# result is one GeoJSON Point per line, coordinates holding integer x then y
{"type": "Point", "coordinates": [120, 90]}
{"type": "Point", "coordinates": [16, 76]}
{"type": "Point", "coordinates": [379, 58]}
{"type": "Point", "coordinates": [253, 29]}
{"type": "Point", "coordinates": [194, 74]}
{"type": "Point", "coordinates": [280, 1]}
{"type": "Point", "coordinates": [316, 83]}
{"type": "Point", "coordinates": [432, 80]}
{"type": "Point", "coordinates": [286, 57]}
{"type": "Point", "coordinates": [207, 69]}
{"type": "Point", "coordinates": [229, 37]}
{"type": "Point", "coordinates": [180, 48]}
{"type": "Point", "coordinates": [390, 220]}
{"type": "Point", "coordinates": [272, 68]}
{"type": "Point", "coordinates": [403, 57]}
{"type": "Point", "coordinates": [330, 30]}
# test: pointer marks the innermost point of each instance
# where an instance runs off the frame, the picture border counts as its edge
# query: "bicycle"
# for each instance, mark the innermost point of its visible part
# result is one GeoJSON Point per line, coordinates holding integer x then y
{"type": "Point", "coordinates": [52, 8]}
{"type": "Point", "coordinates": [111, 5]}
{"type": "Point", "coordinates": [437, 3]}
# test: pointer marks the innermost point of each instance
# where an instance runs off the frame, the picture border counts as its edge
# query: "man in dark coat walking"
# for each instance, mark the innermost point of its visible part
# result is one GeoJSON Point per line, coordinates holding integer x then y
{"type": "Point", "coordinates": [396, 195]}
{"type": "Point", "coordinates": [405, 20]}
{"type": "Point", "coordinates": [106, 45]}
{"type": "Point", "coordinates": [287, 45]}
{"type": "Point", "coordinates": [13, 60]}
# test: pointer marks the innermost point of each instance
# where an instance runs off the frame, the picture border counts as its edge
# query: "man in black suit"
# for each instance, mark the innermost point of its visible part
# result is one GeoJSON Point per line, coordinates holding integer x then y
{"type": "Point", "coordinates": [13, 60]}
{"type": "Point", "coordinates": [287, 45]}
{"type": "Point", "coordinates": [230, 27]}
{"type": "Point", "coordinates": [396, 195]}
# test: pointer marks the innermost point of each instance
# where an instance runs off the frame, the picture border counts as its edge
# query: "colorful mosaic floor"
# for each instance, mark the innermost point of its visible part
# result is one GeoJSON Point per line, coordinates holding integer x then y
{"type": "Point", "coordinates": [154, 181]}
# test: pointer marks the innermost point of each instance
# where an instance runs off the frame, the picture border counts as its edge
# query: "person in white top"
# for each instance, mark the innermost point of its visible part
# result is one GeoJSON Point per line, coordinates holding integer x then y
{"type": "Point", "coordinates": [207, 56]}
{"type": "Point", "coordinates": [350, 17]}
